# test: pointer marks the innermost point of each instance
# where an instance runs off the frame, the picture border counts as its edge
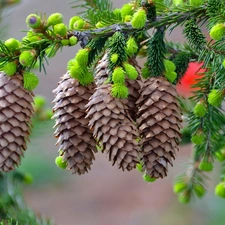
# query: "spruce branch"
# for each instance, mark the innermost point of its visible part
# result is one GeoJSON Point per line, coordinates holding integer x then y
{"type": "Point", "coordinates": [190, 183]}
{"type": "Point", "coordinates": [177, 18]}
{"type": "Point", "coordinates": [96, 10]}
{"type": "Point", "coordinates": [121, 35]}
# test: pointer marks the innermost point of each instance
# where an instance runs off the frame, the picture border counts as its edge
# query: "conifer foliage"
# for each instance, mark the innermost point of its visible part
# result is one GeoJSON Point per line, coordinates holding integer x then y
{"type": "Point", "coordinates": [107, 101]}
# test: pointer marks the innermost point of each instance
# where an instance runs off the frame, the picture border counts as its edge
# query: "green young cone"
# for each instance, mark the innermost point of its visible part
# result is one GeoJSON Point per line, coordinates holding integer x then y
{"type": "Point", "coordinates": [179, 187]}
{"type": "Point", "coordinates": [205, 166]}
{"type": "Point", "coordinates": [200, 109]}
{"type": "Point", "coordinates": [215, 97]}
{"type": "Point", "coordinates": [220, 190]}
{"type": "Point", "coordinates": [139, 19]}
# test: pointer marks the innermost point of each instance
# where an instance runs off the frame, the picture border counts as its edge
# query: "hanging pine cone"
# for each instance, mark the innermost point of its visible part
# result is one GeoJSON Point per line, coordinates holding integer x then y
{"type": "Point", "coordinates": [77, 144]}
{"type": "Point", "coordinates": [134, 87]}
{"type": "Point", "coordinates": [16, 111]}
{"type": "Point", "coordinates": [159, 122]}
{"type": "Point", "coordinates": [102, 71]}
{"type": "Point", "coordinates": [113, 128]}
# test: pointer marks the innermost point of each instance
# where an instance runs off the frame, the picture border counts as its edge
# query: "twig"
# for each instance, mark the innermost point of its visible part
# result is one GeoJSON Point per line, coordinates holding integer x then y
{"type": "Point", "coordinates": [178, 17]}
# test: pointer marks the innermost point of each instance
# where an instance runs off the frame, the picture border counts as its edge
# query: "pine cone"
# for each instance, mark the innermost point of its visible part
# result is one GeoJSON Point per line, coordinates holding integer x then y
{"type": "Point", "coordinates": [16, 111]}
{"type": "Point", "coordinates": [102, 71]}
{"type": "Point", "coordinates": [159, 122]}
{"type": "Point", "coordinates": [134, 87]}
{"type": "Point", "coordinates": [113, 128]}
{"type": "Point", "coordinates": [101, 75]}
{"type": "Point", "coordinates": [77, 144]}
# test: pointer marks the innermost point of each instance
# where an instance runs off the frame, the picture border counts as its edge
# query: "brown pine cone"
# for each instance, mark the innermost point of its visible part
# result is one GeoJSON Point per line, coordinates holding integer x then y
{"type": "Point", "coordinates": [77, 144]}
{"type": "Point", "coordinates": [16, 111]}
{"type": "Point", "coordinates": [113, 128]}
{"type": "Point", "coordinates": [134, 87]}
{"type": "Point", "coordinates": [159, 123]}
{"type": "Point", "coordinates": [102, 71]}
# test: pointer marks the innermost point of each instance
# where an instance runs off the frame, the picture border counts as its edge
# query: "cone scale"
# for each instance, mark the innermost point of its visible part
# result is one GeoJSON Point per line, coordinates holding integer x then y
{"type": "Point", "coordinates": [16, 111]}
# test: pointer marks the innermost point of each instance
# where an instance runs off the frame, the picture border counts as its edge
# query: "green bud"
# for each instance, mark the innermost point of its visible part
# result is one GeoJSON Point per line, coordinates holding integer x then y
{"type": "Point", "coordinates": [82, 56]}
{"type": "Point", "coordinates": [200, 109]}
{"type": "Point", "coordinates": [39, 101]}
{"type": "Point", "coordinates": [220, 155]}
{"type": "Point", "coordinates": [114, 58]}
{"type": "Point", "coordinates": [139, 19]}
{"type": "Point", "coordinates": [79, 24]}
{"type": "Point", "coordinates": [205, 166]}
{"type": "Point", "coordinates": [48, 113]}
{"type": "Point", "coordinates": [127, 18]}
{"type": "Point", "coordinates": [118, 76]}
{"type": "Point", "coordinates": [184, 198]}
{"type": "Point", "coordinates": [85, 79]}
{"type": "Point", "coordinates": [169, 65]}
{"type": "Point", "coordinates": [73, 40]}
{"type": "Point", "coordinates": [12, 44]}
{"type": "Point", "coordinates": [33, 21]}
{"type": "Point", "coordinates": [30, 81]}
{"type": "Point", "coordinates": [171, 76]}
{"type": "Point", "coordinates": [196, 3]}
{"type": "Point", "coordinates": [178, 187]}
{"type": "Point", "coordinates": [71, 63]}
{"type": "Point", "coordinates": [198, 138]}
{"type": "Point", "coordinates": [10, 68]}
{"type": "Point", "coordinates": [217, 31]}
{"type": "Point", "coordinates": [117, 11]}
{"type": "Point", "coordinates": [73, 20]}
{"type": "Point", "coordinates": [65, 42]}
{"type": "Point", "coordinates": [28, 179]}
{"type": "Point", "coordinates": [148, 179]}
{"type": "Point", "coordinates": [54, 19]}
{"type": "Point", "coordinates": [31, 39]}
{"type": "Point", "coordinates": [60, 163]}
{"type": "Point", "coordinates": [75, 69]}
{"type": "Point", "coordinates": [26, 58]}
{"type": "Point", "coordinates": [30, 33]}
{"type": "Point", "coordinates": [127, 9]}
{"type": "Point", "coordinates": [139, 167]}
{"type": "Point", "coordinates": [119, 91]}
{"type": "Point", "coordinates": [199, 190]}
{"type": "Point", "coordinates": [100, 24]}
{"type": "Point", "coordinates": [178, 2]}
{"type": "Point", "coordinates": [220, 190]}
{"type": "Point", "coordinates": [131, 71]}
{"type": "Point", "coordinates": [215, 97]}
{"type": "Point", "coordinates": [60, 29]}
{"type": "Point", "coordinates": [132, 47]}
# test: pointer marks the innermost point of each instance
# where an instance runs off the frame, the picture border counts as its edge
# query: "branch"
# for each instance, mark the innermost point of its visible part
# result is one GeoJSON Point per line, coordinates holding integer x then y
{"type": "Point", "coordinates": [178, 17]}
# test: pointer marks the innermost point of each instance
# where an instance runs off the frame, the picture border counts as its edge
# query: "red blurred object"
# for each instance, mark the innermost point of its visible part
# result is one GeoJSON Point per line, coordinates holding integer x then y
{"type": "Point", "coordinates": [191, 76]}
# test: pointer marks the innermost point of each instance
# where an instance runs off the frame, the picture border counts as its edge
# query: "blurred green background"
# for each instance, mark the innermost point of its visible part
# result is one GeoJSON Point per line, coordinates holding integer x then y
{"type": "Point", "coordinates": [105, 195]}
